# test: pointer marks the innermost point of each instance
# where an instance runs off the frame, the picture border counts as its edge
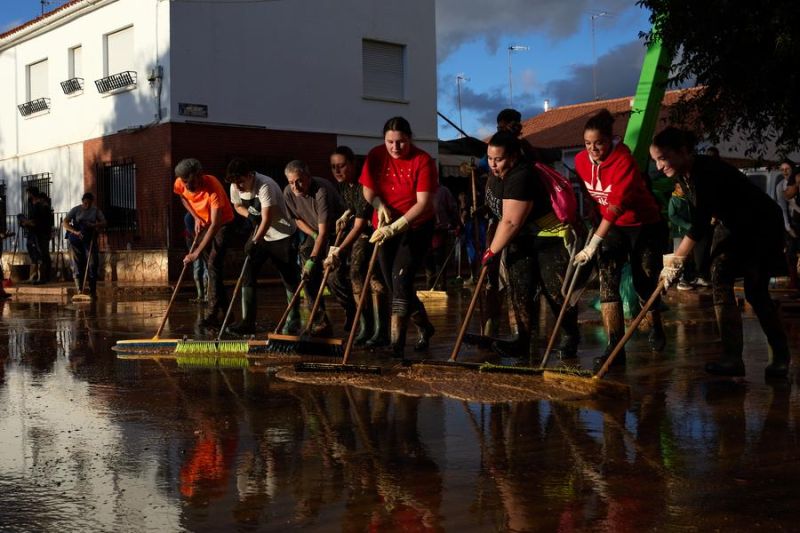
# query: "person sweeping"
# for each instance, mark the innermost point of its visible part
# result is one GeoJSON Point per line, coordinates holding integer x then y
{"type": "Point", "coordinates": [81, 225]}
{"type": "Point", "coordinates": [357, 248]}
{"type": "Point", "coordinates": [399, 181]}
{"type": "Point", "coordinates": [631, 230]}
{"type": "Point", "coordinates": [747, 242]}
{"type": "Point", "coordinates": [259, 199]}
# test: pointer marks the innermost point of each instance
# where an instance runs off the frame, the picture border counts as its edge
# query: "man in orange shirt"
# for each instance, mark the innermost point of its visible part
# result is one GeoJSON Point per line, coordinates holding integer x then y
{"type": "Point", "coordinates": [204, 198]}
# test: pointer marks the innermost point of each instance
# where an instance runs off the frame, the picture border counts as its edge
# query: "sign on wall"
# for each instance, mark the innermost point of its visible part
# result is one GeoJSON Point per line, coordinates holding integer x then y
{"type": "Point", "coordinates": [193, 110]}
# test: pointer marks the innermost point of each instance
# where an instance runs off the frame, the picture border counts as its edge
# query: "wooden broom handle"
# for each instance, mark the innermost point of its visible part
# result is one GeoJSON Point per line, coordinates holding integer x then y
{"type": "Point", "coordinates": [285, 315]}
{"type": "Point", "coordinates": [471, 309]}
{"type": "Point", "coordinates": [351, 338]}
{"type": "Point", "coordinates": [628, 334]}
{"type": "Point", "coordinates": [325, 274]}
{"type": "Point", "coordinates": [561, 314]}
{"type": "Point", "coordinates": [175, 291]}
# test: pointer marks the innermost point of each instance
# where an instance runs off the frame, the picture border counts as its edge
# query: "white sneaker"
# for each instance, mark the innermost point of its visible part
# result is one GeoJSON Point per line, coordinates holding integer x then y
{"type": "Point", "coordinates": [702, 282]}
{"type": "Point", "coordinates": [684, 286]}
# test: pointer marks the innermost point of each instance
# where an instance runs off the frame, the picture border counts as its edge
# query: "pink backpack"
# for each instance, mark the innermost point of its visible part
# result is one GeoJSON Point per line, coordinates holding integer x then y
{"type": "Point", "coordinates": [562, 196]}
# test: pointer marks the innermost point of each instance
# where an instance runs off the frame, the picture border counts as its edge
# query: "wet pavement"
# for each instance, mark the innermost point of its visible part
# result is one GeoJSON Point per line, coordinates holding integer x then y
{"type": "Point", "coordinates": [89, 442]}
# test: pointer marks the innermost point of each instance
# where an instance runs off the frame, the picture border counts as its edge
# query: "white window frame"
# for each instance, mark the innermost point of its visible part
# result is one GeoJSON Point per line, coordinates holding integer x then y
{"type": "Point", "coordinates": [73, 72]}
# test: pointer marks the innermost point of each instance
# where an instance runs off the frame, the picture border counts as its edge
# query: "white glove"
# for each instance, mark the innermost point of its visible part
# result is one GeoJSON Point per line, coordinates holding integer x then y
{"type": "Point", "coordinates": [387, 232]}
{"type": "Point", "coordinates": [673, 266]}
{"type": "Point", "coordinates": [384, 215]}
{"type": "Point", "coordinates": [341, 222]}
{"type": "Point", "coordinates": [585, 255]}
{"type": "Point", "coordinates": [332, 261]}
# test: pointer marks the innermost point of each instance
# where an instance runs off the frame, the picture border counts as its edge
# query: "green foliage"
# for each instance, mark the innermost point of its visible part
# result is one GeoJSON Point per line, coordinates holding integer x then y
{"type": "Point", "coordinates": [744, 56]}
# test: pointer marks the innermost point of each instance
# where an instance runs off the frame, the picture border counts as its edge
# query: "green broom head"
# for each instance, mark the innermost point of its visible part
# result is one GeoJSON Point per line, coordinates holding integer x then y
{"type": "Point", "coordinates": [201, 347]}
{"type": "Point", "coordinates": [212, 361]}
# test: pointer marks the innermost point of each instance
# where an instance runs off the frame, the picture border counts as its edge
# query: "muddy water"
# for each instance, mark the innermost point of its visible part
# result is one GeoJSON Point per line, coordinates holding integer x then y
{"type": "Point", "coordinates": [92, 443]}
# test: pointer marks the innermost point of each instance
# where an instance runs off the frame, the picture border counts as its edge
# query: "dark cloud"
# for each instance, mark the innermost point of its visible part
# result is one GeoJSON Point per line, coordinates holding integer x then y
{"type": "Point", "coordinates": [461, 21]}
{"type": "Point", "coordinates": [617, 75]}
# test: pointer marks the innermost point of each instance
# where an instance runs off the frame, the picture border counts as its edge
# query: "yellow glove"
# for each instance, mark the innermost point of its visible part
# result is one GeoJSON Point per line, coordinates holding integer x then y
{"type": "Point", "coordinates": [384, 215]}
{"type": "Point", "coordinates": [332, 261]}
{"type": "Point", "coordinates": [341, 222]}
{"type": "Point", "coordinates": [387, 232]}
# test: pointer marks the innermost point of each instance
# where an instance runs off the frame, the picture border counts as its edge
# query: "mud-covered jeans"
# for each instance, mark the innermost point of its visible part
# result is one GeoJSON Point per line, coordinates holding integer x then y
{"type": "Point", "coordinates": [401, 258]}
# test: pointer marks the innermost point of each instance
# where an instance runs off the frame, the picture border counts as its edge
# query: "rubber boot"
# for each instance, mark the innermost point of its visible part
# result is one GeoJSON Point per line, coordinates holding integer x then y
{"type": "Point", "coordinates": [570, 334]}
{"type": "Point", "coordinates": [247, 325]}
{"type": "Point", "coordinates": [34, 273]}
{"type": "Point", "coordinates": [364, 324]}
{"type": "Point", "coordinates": [425, 329]}
{"type": "Point", "coordinates": [397, 334]}
{"type": "Point", "coordinates": [380, 320]}
{"type": "Point", "coordinates": [657, 339]}
{"type": "Point", "coordinates": [778, 368]}
{"type": "Point", "coordinates": [292, 324]}
{"type": "Point", "coordinates": [323, 327]}
{"type": "Point", "coordinates": [614, 323]}
{"type": "Point", "coordinates": [729, 322]}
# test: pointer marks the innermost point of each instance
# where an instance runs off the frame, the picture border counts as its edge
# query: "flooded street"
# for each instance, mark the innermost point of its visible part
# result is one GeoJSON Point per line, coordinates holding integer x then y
{"type": "Point", "coordinates": [89, 442]}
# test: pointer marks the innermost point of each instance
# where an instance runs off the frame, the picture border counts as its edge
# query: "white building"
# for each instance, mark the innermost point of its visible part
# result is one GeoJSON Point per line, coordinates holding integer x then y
{"type": "Point", "coordinates": [107, 95]}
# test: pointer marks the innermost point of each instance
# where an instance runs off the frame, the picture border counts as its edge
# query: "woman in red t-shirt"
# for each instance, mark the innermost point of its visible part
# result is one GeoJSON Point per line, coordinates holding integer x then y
{"type": "Point", "coordinates": [631, 229]}
{"type": "Point", "coordinates": [400, 181]}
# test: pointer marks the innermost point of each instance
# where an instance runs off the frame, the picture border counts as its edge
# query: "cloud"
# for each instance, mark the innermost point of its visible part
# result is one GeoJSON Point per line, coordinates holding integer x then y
{"type": "Point", "coordinates": [462, 21]}
{"type": "Point", "coordinates": [617, 75]}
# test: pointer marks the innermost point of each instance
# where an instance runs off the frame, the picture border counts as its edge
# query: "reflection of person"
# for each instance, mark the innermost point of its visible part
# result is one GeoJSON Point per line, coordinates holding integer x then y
{"type": "Point", "coordinates": [316, 206]}
{"type": "Point", "coordinates": [203, 196]}
{"type": "Point", "coordinates": [259, 198]}
{"type": "Point", "coordinates": [631, 229]}
{"type": "Point", "coordinates": [399, 181]}
{"type": "Point", "coordinates": [748, 241]}
{"type": "Point", "coordinates": [356, 246]}
{"type": "Point", "coordinates": [82, 224]}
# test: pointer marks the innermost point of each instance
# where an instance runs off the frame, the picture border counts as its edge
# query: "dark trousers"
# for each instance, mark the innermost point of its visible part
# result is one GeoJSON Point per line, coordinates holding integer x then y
{"type": "Point", "coordinates": [283, 254]}
{"type": "Point", "coordinates": [214, 256]}
{"type": "Point", "coordinates": [642, 246]}
{"type": "Point", "coordinates": [79, 252]}
{"type": "Point", "coordinates": [360, 254]}
{"type": "Point", "coordinates": [338, 280]}
{"type": "Point", "coordinates": [401, 258]}
{"type": "Point", "coordinates": [553, 262]}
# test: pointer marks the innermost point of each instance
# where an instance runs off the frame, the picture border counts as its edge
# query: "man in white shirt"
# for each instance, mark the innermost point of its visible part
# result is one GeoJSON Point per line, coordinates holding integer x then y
{"type": "Point", "coordinates": [259, 199]}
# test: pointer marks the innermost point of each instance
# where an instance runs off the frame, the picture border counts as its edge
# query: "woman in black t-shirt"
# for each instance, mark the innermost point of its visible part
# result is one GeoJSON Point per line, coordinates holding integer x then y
{"type": "Point", "coordinates": [517, 199]}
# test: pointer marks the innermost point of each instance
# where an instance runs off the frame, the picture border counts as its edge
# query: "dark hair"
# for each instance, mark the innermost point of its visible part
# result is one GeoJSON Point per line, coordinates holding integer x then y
{"type": "Point", "coordinates": [87, 196]}
{"type": "Point", "coordinates": [675, 139]}
{"type": "Point", "coordinates": [397, 124]}
{"type": "Point", "coordinates": [602, 121]}
{"type": "Point", "coordinates": [786, 161]}
{"type": "Point", "coordinates": [237, 168]}
{"type": "Point", "coordinates": [348, 154]}
{"type": "Point", "coordinates": [506, 140]}
{"type": "Point", "coordinates": [509, 115]}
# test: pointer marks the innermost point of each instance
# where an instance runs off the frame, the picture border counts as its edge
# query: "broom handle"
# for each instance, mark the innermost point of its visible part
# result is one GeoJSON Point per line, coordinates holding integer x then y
{"type": "Point", "coordinates": [285, 315]}
{"type": "Point", "coordinates": [444, 265]}
{"type": "Point", "coordinates": [233, 298]}
{"type": "Point", "coordinates": [628, 334]}
{"type": "Point", "coordinates": [175, 292]}
{"type": "Point", "coordinates": [561, 314]}
{"type": "Point", "coordinates": [361, 299]}
{"type": "Point", "coordinates": [88, 261]}
{"type": "Point", "coordinates": [476, 232]}
{"type": "Point", "coordinates": [325, 274]}
{"type": "Point", "coordinates": [468, 316]}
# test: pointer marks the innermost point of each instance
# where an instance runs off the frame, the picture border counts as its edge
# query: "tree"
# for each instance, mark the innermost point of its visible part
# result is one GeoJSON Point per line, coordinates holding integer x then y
{"type": "Point", "coordinates": [743, 56]}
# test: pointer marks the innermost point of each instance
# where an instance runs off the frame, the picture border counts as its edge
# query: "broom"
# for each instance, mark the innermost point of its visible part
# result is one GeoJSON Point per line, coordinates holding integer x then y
{"type": "Point", "coordinates": [157, 341]}
{"type": "Point", "coordinates": [81, 297]}
{"type": "Point", "coordinates": [593, 385]}
{"type": "Point", "coordinates": [304, 343]}
{"type": "Point", "coordinates": [432, 290]}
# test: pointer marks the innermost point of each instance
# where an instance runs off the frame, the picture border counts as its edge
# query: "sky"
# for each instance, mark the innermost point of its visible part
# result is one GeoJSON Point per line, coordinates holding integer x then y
{"type": "Point", "coordinates": [473, 37]}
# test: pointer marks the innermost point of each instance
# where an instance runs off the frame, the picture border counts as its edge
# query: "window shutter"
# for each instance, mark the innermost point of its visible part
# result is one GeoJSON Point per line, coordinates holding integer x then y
{"type": "Point", "coordinates": [119, 47]}
{"type": "Point", "coordinates": [37, 80]}
{"type": "Point", "coordinates": [75, 62]}
{"type": "Point", "coordinates": [384, 70]}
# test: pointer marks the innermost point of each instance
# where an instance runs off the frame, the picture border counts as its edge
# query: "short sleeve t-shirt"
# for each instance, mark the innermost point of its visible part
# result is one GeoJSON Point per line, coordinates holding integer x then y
{"type": "Point", "coordinates": [266, 193]}
{"type": "Point", "coordinates": [322, 204]}
{"type": "Point", "coordinates": [397, 181]}
{"type": "Point", "coordinates": [523, 184]}
{"type": "Point", "coordinates": [78, 216]}
{"type": "Point", "coordinates": [209, 194]}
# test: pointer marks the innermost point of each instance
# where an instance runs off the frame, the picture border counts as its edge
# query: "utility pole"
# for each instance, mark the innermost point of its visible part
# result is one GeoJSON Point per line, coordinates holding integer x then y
{"type": "Point", "coordinates": [459, 79]}
{"type": "Point", "coordinates": [513, 48]}
{"type": "Point", "coordinates": [595, 16]}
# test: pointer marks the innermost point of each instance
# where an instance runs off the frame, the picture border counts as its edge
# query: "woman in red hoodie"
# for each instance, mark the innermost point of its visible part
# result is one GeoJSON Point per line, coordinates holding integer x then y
{"type": "Point", "coordinates": [631, 229]}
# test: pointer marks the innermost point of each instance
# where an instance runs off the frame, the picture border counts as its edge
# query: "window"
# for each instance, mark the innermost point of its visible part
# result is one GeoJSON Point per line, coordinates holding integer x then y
{"type": "Point", "coordinates": [119, 51]}
{"type": "Point", "coordinates": [384, 70]}
{"type": "Point", "coordinates": [37, 80]}
{"type": "Point", "coordinates": [76, 62]}
{"type": "Point", "coordinates": [117, 187]}
{"type": "Point", "coordinates": [39, 181]}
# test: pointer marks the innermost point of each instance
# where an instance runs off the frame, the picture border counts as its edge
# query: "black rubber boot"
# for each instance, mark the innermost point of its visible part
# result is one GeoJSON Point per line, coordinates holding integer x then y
{"type": "Point", "coordinates": [778, 368]}
{"type": "Point", "coordinates": [247, 325]}
{"type": "Point", "coordinates": [211, 320]}
{"type": "Point", "coordinates": [729, 322]}
{"type": "Point", "coordinates": [614, 323]}
{"type": "Point", "coordinates": [570, 335]}
{"type": "Point", "coordinates": [657, 339]}
{"type": "Point", "coordinates": [517, 348]}
{"type": "Point", "coordinates": [293, 323]}
{"type": "Point", "coordinates": [397, 333]}
{"type": "Point", "coordinates": [425, 330]}
{"type": "Point", "coordinates": [380, 321]}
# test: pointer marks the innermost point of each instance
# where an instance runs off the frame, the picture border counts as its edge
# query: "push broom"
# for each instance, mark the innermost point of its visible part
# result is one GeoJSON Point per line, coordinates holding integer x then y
{"type": "Point", "coordinates": [81, 297]}
{"type": "Point", "coordinates": [304, 343]}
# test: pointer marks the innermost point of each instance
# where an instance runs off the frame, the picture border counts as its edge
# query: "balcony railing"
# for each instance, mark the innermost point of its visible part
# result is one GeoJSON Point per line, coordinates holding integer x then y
{"type": "Point", "coordinates": [34, 106]}
{"type": "Point", "coordinates": [72, 85]}
{"type": "Point", "coordinates": [121, 80]}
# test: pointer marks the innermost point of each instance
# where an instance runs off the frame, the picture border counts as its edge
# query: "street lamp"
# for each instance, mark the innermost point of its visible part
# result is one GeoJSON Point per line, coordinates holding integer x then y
{"type": "Point", "coordinates": [596, 16]}
{"type": "Point", "coordinates": [459, 79]}
{"type": "Point", "coordinates": [513, 48]}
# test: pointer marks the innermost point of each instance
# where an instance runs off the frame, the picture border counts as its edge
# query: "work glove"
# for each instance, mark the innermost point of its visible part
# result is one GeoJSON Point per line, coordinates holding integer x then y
{"type": "Point", "coordinates": [489, 257]}
{"type": "Point", "coordinates": [384, 215]}
{"type": "Point", "coordinates": [341, 222]}
{"type": "Point", "coordinates": [387, 232]}
{"type": "Point", "coordinates": [308, 267]}
{"type": "Point", "coordinates": [585, 255]}
{"type": "Point", "coordinates": [332, 261]}
{"type": "Point", "coordinates": [250, 247]}
{"type": "Point", "coordinates": [673, 266]}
